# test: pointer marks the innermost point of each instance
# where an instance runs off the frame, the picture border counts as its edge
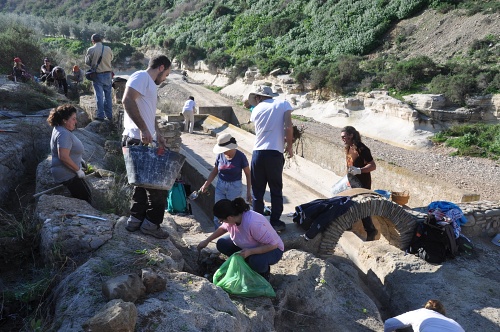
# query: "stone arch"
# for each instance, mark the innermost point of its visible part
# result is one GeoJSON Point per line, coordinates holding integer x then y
{"type": "Point", "coordinates": [400, 222]}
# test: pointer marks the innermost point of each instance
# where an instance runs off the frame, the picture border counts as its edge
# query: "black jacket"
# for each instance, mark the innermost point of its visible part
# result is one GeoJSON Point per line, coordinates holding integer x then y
{"type": "Point", "coordinates": [316, 215]}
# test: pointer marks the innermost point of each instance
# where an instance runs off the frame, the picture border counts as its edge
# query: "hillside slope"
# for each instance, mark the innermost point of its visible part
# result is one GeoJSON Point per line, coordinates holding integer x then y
{"type": "Point", "coordinates": [440, 36]}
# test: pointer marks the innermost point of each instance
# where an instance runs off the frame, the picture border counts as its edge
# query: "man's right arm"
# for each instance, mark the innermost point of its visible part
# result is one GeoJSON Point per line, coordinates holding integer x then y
{"type": "Point", "coordinates": [129, 103]}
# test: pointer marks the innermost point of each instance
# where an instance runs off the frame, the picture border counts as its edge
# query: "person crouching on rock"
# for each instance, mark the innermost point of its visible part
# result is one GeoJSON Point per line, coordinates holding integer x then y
{"type": "Point", "coordinates": [250, 234]}
{"type": "Point", "coordinates": [67, 151]}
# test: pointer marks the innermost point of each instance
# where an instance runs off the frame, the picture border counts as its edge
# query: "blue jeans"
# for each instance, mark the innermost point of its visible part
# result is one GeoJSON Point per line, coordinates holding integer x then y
{"type": "Point", "coordinates": [259, 262]}
{"type": "Point", "coordinates": [102, 91]}
{"type": "Point", "coordinates": [267, 169]}
{"type": "Point", "coordinates": [226, 190]}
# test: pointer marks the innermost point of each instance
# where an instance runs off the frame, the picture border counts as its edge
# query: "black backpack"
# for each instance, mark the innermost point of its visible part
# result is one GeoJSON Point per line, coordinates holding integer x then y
{"type": "Point", "coordinates": [432, 242]}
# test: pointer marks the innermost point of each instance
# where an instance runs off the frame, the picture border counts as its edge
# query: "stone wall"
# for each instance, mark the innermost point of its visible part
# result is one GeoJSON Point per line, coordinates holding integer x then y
{"type": "Point", "coordinates": [423, 190]}
{"type": "Point", "coordinates": [483, 218]}
{"type": "Point", "coordinates": [171, 132]}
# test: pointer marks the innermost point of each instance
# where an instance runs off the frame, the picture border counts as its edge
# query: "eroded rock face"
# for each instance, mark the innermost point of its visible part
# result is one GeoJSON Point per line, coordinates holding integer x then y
{"type": "Point", "coordinates": [314, 293]}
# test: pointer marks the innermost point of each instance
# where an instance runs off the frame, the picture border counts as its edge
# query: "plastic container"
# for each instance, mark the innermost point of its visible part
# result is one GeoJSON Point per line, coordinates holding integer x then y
{"type": "Point", "coordinates": [153, 168]}
{"type": "Point", "coordinates": [347, 182]}
{"type": "Point", "coordinates": [385, 193]}
{"type": "Point", "coordinates": [401, 197]}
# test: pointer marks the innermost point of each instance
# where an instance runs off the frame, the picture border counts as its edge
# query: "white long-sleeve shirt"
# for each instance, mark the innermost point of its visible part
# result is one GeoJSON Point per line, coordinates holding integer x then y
{"type": "Point", "coordinates": [423, 320]}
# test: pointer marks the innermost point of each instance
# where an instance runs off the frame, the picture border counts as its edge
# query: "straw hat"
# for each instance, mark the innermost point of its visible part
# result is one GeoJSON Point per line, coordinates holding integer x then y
{"type": "Point", "coordinates": [225, 142]}
{"type": "Point", "coordinates": [261, 90]}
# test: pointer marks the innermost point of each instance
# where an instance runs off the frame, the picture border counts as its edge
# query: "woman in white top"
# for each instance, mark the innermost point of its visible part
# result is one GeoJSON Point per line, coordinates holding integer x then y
{"type": "Point", "coordinates": [431, 318]}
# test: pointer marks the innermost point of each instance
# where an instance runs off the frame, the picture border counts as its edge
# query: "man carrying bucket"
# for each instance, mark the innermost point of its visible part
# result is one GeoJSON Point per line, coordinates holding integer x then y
{"type": "Point", "coordinates": [139, 100]}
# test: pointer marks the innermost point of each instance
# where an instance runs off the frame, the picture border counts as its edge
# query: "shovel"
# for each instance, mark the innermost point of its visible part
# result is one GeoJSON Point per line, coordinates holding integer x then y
{"type": "Point", "coordinates": [57, 187]}
{"type": "Point", "coordinates": [10, 116]}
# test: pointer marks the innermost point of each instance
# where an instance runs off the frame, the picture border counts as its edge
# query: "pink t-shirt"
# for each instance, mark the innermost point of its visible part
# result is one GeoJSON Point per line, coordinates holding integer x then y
{"type": "Point", "coordinates": [254, 231]}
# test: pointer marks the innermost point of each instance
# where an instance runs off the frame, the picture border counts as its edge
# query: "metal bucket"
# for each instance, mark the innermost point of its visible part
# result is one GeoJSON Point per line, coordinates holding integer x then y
{"type": "Point", "coordinates": [153, 168]}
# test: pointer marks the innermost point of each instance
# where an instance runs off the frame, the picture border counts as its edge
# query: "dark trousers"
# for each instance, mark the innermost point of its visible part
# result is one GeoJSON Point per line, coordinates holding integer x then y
{"type": "Point", "coordinates": [259, 262]}
{"type": "Point", "coordinates": [367, 222]}
{"type": "Point", "coordinates": [267, 169]}
{"type": "Point", "coordinates": [63, 84]}
{"type": "Point", "coordinates": [146, 203]}
{"type": "Point", "coordinates": [79, 188]}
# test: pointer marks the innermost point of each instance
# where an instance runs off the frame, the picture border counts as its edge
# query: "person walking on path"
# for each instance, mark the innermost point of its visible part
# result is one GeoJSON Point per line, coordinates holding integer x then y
{"type": "Point", "coordinates": [67, 151]}
{"type": "Point", "coordinates": [249, 233]}
{"type": "Point", "coordinates": [229, 164]}
{"type": "Point", "coordinates": [360, 163]}
{"type": "Point", "coordinates": [103, 81]}
{"type": "Point", "coordinates": [147, 207]}
{"type": "Point", "coordinates": [431, 318]}
{"type": "Point", "coordinates": [273, 128]}
{"type": "Point", "coordinates": [188, 111]}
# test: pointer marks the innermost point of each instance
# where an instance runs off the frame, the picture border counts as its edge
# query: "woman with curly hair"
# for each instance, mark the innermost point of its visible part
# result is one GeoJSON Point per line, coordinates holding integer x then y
{"type": "Point", "coordinates": [67, 151]}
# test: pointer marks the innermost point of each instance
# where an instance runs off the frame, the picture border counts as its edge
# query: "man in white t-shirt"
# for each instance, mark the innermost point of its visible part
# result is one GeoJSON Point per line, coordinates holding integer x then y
{"type": "Point", "coordinates": [188, 112]}
{"type": "Point", "coordinates": [273, 128]}
{"type": "Point", "coordinates": [139, 100]}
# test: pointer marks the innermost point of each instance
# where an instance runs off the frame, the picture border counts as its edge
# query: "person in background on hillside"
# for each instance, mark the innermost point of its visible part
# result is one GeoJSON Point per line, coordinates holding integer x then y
{"type": "Point", "coordinates": [273, 129]}
{"type": "Point", "coordinates": [76, 76]}
{"type": "Point", "coordinates": [188, 111]}
{"type": "Point", "coordinates": [249, 233]}
{"type": "Point", "coordinates": [67, 151]}
{"type": "Point", "coordinates": [360, 163]}
{"type": "Point", "coordinates": [59, 77]}
{"type": "Point", "coordinates": [19, 72]}
{"type": "Point", "coordinates": [147, 207]}
{"type": "Point", "coordinates": [229, 164]}
{"type": "Point", "coordinates": [46, 71]}
{"type": "Point", "coordinates": [102, 83]}
{"type": "Point", "coordinates": [430, 318]}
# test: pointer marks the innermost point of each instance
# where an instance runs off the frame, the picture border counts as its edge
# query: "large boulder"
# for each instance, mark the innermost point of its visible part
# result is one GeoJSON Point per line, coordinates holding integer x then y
{"type": "Point", "coordinates": [66, 229]}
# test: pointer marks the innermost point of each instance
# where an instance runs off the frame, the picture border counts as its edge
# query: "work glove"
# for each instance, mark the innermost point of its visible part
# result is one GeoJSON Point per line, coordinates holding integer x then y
{"type": "Point", "coordinates": [354, 170]}
{"type": "Point", "coordinates": [84, 165]}
{"type": "Point", "coordinates": [80, 174]}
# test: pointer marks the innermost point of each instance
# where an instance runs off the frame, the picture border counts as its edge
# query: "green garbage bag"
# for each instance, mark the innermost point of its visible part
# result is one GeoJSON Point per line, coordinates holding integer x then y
{"type": "Point", "coordinates": [237, 278]}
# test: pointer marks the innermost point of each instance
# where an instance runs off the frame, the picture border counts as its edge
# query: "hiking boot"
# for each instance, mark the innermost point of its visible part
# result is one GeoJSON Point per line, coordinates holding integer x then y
{"type": "Point", "coordinates": [278, 226]}
{"type": "Point", "coordinates": [371, 235]}
{"type": "Point", "coordinates": [133, 224]}
{"type": "Point", "coordinates": [148, 228]}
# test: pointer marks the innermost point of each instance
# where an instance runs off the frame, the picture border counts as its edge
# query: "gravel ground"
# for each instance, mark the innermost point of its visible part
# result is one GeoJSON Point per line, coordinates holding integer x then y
{"type": "Point", "coordinates": [476, 175]}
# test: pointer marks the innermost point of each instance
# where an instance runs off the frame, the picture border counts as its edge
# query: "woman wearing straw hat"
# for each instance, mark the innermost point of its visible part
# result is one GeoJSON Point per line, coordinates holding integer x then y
{"type": "Point", "coordinates": [228, 165]}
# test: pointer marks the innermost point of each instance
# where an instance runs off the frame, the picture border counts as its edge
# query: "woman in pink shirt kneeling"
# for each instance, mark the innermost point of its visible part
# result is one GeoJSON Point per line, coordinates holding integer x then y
{"type": "Point", "coordinates": [249, 233]}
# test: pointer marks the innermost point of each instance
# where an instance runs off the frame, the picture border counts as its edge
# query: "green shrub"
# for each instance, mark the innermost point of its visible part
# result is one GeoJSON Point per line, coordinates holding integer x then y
{"type": "Point", "coordinates": [398, 80]}
{"type": "Point", "coordinates": [456, 88]}
{"type": "Point", "coordinates": [479, 140]}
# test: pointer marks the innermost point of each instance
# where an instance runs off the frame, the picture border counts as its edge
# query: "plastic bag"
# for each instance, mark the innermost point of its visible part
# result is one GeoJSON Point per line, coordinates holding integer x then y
{"type": "Point", "coordinates": [347, 182]}
{"type": "Point", "coordinates": [237, 278]}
